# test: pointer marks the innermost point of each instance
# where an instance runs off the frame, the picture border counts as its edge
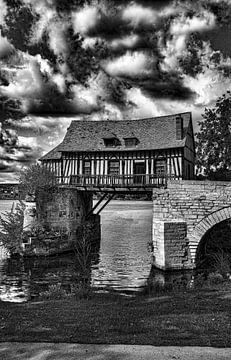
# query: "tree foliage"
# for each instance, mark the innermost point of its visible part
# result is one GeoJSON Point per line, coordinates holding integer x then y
{"type": "Point", "coordinates": [35, 177]}
{"type": "Point", "coordinates": [214, 139]}
{"type": "Point", "coordinates": [11, 229]}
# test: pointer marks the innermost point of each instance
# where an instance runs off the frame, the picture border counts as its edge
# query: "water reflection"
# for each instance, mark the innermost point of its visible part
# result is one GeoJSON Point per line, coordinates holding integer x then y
{"type": "Point", "coordinates": [14, 280]}
{"type": "Point", "coordinates": [122, 261]}
{"type": "Point", "coordinates": [177, 279]}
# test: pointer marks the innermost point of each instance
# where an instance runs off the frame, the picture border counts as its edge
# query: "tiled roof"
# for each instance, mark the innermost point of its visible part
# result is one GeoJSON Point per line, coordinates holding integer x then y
{"type": "Point", "coordinates": [54, 154]}
{"type": "Point", "coordinates": [152, 133]}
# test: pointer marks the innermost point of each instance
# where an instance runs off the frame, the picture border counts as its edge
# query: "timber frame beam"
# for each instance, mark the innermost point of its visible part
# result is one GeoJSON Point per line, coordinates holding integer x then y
{"type": "Point", "coordinates": [99, 209]}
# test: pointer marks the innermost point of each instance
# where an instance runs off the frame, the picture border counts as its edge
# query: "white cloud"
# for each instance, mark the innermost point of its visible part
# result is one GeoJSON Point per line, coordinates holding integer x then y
{"type": "Point", "coordinates": [180, 29]}
{"type": "Point", "coordinates": [5, 46]}
{"type": "Point", "coordinates": [138, 15]}
{"type": "Point", "coordinates": [89, 42]}
{"type": "Point", "coordinates": [185, 25]}
{"type": "Point", "coordinates": [128, 42]}
{"type": "Point", "coordinates": [57, 38]}
{"type": "Point", "coordinates": [46, 16]}
{"type": "Point", "coordinates": [85, 19]}
{"type": "Point", "coordinates": [144, 106]}
{"type": "Point", "coordinates": [132, 64]}
{"type": "Point", "coordinates": [3, 11]}
{"type": "Point", "coordinates": [151, 107]}
{"type": "Point", "coordinates": [27, 82]}
{"type": "Point", "coordinates": [86, 99]}
{"type": "Point", "coordinates": [209, 84]}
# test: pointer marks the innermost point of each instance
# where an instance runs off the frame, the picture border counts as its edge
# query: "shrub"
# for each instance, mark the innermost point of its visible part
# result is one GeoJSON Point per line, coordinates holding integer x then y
{"type": "Point", "coordinates": [199, 280]}
{"type": "Point", "coordinates": [54, 292]}
{"type": "Point", "coordinates": [215, 278]}
{"type": "Point", "coordinates": [11, 228]}
{"type": "Point", "coordinates": [221, 261]}
{"type": "Point", "coordinates": [81, 290]}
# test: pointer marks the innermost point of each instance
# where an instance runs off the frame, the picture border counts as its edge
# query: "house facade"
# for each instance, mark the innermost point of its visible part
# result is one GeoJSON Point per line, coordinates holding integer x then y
{"type": "Point", "coordinates": [126, 152]}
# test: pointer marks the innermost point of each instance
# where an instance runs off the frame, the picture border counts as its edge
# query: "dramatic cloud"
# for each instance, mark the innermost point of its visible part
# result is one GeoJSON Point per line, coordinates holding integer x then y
{"type": "Point", "coordinates": [136, 64]}
{"type": "Point", "coordinates": [3, 11]}
{"type": "Point", "coordinates": [106, 59]}
{"type": "Point", "coordinates": [85, 19]}
{"type": "Point", "coordinates": [5, 47]}
{"type": "Point", "coordinates": [138, 15]}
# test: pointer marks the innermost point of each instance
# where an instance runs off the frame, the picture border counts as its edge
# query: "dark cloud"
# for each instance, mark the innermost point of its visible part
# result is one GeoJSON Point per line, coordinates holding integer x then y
{"type": "Point", "coordinates": [167, 88]}
{"type": "Point", "coordinates": [12, 153]}
{"type": "Point", "coordinates": [109, 26]}
{"type": "Point", "coordinates": [69, 5]}
{"type": "Point", "coordinates": [191, 63]}
{"type": "Point", "coordinates": [67, 79]}
{"type": "Point", "coordinates": [8, 139]}
{"type": "Point", "coordinates": [18, 25]}
{"type": "Point", "coordinates": [221, 10]}
{"type": "Point", "coordinates": [10, 108]}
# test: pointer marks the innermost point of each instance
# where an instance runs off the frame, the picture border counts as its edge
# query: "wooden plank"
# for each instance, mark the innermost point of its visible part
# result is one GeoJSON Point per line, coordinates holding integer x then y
{"type": "Point", "coordinates": [106, 167]}
{"type": "Point", "coordinates": [80, 167]}
{"type": "Point", "coordinates": [147, 167]}
{"type": "Point", "coordinates": [97, 167]}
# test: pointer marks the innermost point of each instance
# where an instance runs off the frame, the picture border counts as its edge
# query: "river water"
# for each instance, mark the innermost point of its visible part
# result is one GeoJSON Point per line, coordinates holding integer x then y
{"type": "Point", "coordinates": [123, 261]}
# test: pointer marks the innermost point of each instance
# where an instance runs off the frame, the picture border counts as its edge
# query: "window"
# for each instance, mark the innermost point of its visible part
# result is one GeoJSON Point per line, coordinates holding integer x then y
{"type": "Point", "coordinates": [111, 142]}
{"type": "Point", "coordinates": [160, 167]}
{"type": "Point", "coordinates": [87, 167]}
{"type": "Point", "coordinates": [114, 167]}
{"type": "Point", "coordinates": [129, 142]}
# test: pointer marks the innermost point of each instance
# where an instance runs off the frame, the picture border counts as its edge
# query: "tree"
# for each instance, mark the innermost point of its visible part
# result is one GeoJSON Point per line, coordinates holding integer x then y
{"type": "Point", "coordinates": [11, 229]}
{"type": "Point", "coordinates": [214, 139]}
{"type": "Point", "coordinates": [35, 177]}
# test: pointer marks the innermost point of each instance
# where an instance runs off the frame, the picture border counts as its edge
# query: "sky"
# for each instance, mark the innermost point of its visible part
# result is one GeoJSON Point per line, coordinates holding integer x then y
{"type": "Point", "coordinates": [102, 59]}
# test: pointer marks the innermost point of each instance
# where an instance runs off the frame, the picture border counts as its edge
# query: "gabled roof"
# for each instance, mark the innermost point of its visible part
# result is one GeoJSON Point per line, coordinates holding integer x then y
{"type": "Point", "coordinates": [54, 154]}
{"type": "Point", "coordinates": [152, 133]}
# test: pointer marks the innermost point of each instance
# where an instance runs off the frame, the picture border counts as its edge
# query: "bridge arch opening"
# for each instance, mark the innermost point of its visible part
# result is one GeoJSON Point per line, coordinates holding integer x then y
{"type": "Point", "coordinates": [214, 249]}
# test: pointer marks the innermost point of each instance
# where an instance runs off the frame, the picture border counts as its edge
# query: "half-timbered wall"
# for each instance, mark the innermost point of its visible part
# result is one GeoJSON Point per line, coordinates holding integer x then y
{"type": "Point", "coordinates": [54, 166]}
{"type": "Point", "coordinates": [189, 156]}
{"type": "Point", "coordinates": [100, 163]}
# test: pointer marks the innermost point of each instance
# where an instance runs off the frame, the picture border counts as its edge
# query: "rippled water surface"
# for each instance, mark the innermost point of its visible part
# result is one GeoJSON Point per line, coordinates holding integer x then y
{"type": "Point", "coordinates": [123, 261]}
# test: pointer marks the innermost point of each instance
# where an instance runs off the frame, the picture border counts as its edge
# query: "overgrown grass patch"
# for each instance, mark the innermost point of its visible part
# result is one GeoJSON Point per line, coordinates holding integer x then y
{"type": "Point", "coordinates": [199, 318]}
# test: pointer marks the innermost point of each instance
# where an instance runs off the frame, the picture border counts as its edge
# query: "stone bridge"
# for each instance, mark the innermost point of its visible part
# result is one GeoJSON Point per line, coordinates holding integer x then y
{"type": "Point", "coordinates": [182, 215]}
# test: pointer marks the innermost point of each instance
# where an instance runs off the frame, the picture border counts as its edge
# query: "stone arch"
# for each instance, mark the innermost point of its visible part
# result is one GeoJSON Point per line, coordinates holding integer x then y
{"type": "Point", "coordinates": [205, 225]}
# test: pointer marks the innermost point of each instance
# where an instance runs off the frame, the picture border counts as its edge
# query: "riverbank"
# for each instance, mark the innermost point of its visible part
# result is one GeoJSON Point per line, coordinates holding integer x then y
{"type": "Point", "coordinates": [190, 318]}
{"type": "Point", "coordinates": [64, 351]}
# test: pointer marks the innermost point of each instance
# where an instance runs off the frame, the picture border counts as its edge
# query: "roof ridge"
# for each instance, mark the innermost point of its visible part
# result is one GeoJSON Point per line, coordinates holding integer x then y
{"type": "Point", "coordinates": [141, 119]}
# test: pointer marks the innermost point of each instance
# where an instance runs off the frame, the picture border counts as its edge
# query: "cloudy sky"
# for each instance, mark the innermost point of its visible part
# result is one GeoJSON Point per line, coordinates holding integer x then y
{"type": "Point", "coordinates": [105, 59]}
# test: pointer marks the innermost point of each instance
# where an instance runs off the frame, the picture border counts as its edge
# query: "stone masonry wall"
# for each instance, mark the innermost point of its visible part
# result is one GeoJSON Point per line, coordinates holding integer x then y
{"type": "Point", "coordinates": [199, 205]}
{"type": "Point", "coordinates": [175, 245]}
{"type": "Point", "coordinates": [63, 209]}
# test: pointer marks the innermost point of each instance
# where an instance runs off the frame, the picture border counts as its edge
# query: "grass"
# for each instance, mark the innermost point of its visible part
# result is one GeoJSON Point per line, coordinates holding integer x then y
{"type": "Point", "coordinates": [192, 318]}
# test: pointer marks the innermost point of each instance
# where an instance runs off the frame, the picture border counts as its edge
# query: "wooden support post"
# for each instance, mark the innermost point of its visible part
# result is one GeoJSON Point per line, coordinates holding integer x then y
{"type": "Point", "coordinates": [105, 204]}
{"type": "Point", "coordinates": [96, 205]}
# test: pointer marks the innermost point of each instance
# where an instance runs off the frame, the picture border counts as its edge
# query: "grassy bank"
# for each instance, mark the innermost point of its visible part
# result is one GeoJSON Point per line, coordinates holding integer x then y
{"type": "Point", "coordinates": [200, 318]}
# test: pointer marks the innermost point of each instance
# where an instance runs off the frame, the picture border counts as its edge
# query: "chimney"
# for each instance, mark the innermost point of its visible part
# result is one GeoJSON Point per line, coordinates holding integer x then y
{"type": "Point", "coordinates": [179, 128]}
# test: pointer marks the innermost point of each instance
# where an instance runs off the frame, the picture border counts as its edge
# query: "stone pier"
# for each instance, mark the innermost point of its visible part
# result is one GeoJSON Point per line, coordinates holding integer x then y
{"type": "Point", "coordinates": [182, 215]}
{"type": "Point", "coordinates": [63, 211]}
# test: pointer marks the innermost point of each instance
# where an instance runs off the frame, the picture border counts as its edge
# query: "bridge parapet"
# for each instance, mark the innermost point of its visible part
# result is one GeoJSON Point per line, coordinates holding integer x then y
{"type": "Point", "coordinates": [182, 214]}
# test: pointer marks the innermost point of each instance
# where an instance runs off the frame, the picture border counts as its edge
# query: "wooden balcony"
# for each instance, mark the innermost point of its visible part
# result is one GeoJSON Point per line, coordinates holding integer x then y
{"type": "Point", "coordinates": [135, 182]}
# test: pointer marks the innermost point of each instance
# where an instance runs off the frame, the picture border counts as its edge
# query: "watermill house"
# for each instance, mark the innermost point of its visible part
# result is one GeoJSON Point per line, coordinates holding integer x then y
{"type": "Point", "coordinates": [126, 153]}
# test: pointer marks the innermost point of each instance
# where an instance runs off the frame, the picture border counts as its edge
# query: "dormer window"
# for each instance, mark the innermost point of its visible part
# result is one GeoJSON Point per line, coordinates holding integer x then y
{"type": "Point", "coordinates": [111, 142]}
{"type": "Point", "coordinates": [130, 142]}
